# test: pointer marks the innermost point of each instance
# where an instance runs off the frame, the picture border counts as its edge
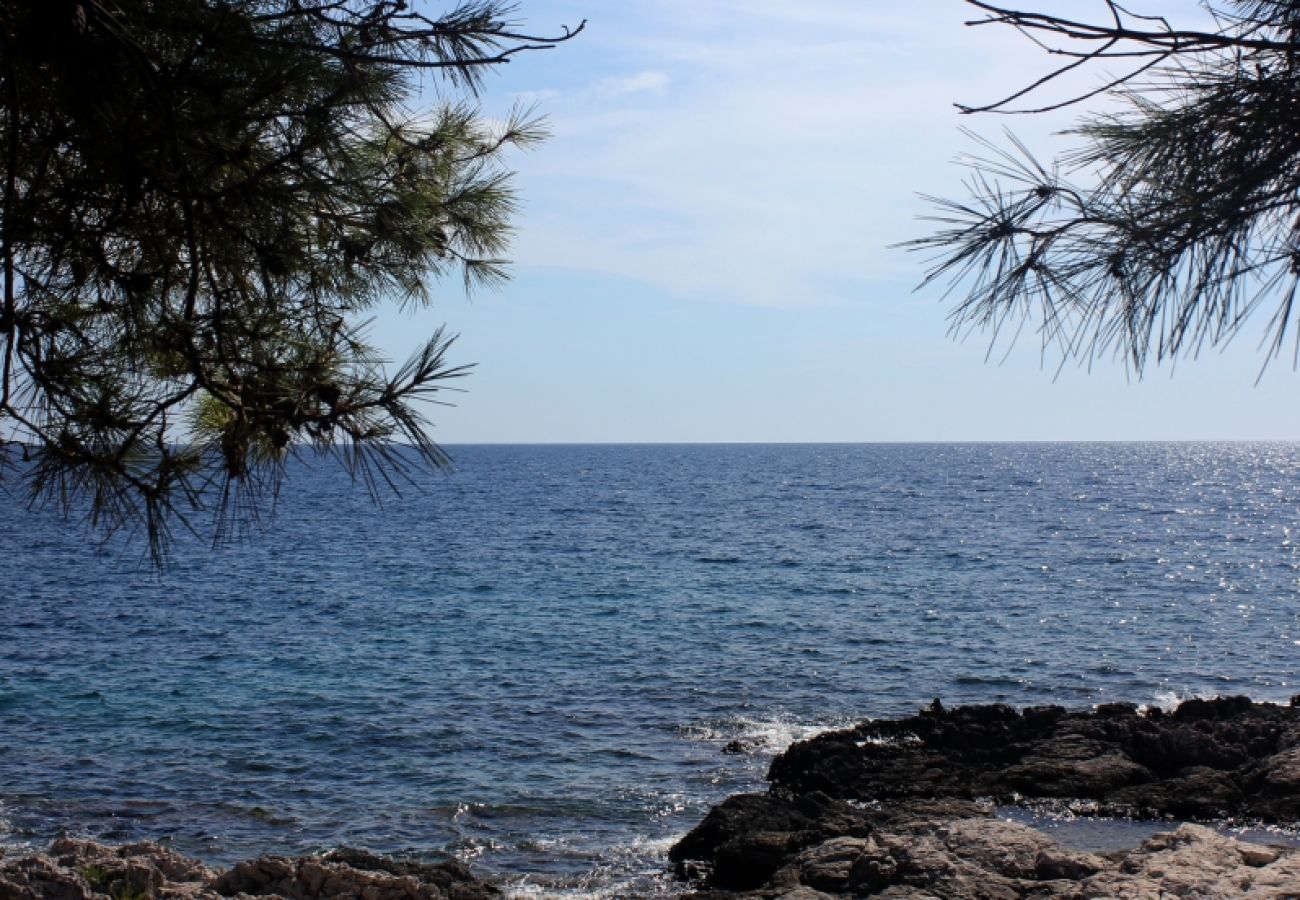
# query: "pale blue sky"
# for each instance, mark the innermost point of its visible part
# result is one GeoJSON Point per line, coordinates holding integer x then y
{"type": "Point", "coordinates": [703, 253]}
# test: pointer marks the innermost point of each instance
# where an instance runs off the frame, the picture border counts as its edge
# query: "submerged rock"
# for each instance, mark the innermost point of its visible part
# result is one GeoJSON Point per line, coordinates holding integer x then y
{"type": "Point", "coordinates": [85, 870]}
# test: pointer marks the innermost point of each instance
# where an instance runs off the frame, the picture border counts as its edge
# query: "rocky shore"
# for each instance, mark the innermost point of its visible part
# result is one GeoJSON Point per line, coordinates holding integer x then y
{"type": "Point", "coordinates": [898, 809]}
{"type": "Point", "coordinates": [905, 808]}
{"type": "Point", "coordinates": [85, 870]}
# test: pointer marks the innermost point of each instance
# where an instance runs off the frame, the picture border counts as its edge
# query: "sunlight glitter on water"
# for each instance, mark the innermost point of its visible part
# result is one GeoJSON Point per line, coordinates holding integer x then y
{"type": "Point", "coordinates": [537, 662]}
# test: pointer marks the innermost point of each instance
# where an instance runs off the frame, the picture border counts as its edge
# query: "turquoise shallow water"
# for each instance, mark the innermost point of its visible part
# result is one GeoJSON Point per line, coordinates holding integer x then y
{"type": "Point", "coordinates": [534, 663]}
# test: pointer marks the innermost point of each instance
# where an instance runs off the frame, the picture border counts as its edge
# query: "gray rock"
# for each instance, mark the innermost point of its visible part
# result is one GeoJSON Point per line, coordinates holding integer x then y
{"type": "Point", "coordinates": [829, 865]}
{"type": "Point", "coordinates": [988, 859]}
{"type": "Point", "coordinates": [1197, 862]}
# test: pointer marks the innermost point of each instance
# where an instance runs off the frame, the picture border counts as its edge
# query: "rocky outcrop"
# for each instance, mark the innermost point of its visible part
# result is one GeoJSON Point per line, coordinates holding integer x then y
{"type": "Point", "coordinates": [85, 870]}
{"type": "Point", "coordinates": [82, 870]}
{"type": "Point", "coordinates": [351, 873]}
{"type": "Point", "coordinates": [748, 837]}
{"type": "Point", "coordinates": [988, 859]}
{"type": "Point", "coordinates": [1207, 759]}
{"type": "Point", "coordinates": [894, 809]}
{"type": "Point", "coordinates": [903, 808]}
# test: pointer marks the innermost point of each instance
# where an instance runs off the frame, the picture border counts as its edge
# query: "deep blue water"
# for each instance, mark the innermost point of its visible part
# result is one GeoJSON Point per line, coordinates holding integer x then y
{"type": "Point", "coordinates": [534, 662]}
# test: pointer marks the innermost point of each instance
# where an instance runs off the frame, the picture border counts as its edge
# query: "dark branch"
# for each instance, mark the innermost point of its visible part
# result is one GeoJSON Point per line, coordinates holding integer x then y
{"type": "Point", "coordinates": [1155, 45]}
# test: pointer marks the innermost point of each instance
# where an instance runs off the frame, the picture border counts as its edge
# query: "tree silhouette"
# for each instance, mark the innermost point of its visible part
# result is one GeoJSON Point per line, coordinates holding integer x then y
{"type": "Point", "coordinates": [199, 198]}
{"type": "Point", "coordinates": [1174, 221]}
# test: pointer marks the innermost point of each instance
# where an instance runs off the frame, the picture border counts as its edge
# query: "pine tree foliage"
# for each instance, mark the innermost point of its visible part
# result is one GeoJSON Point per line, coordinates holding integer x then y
{"type": "Point", "coordinates": [199, 201]}
{"type": "Point", "coordinates": [1175, 220]}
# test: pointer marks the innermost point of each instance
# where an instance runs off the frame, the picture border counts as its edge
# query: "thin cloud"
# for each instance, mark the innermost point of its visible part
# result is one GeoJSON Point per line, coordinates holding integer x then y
{"type": "Point", "coordinates": [784, 160]}
{"type": "Point", "coordinates": [654, 82]}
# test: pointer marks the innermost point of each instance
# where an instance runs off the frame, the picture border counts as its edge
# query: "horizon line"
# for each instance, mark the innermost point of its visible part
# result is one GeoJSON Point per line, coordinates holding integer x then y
{"type": "Point", "coordinates": [816, 443]}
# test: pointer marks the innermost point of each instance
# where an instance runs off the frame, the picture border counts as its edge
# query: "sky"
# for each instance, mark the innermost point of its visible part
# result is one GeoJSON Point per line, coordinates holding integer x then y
{"type": "Point", "coordinates": [704, 250]}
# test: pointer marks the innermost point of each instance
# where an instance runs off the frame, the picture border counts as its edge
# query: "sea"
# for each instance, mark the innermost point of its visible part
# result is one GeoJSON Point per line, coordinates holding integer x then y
{"type": "Point", "coordinates": [537, 661]}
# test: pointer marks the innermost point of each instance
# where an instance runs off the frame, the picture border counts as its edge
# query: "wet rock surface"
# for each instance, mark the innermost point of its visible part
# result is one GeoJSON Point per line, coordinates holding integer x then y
{"type": "Point", "coordinates": [896, 809]}
{"type": "Point", "coordinates": [85, 870]}
{"type": "Point", "coordinates": [903, 808]}
{"type": "Point", "coordinates": [1207, 759]}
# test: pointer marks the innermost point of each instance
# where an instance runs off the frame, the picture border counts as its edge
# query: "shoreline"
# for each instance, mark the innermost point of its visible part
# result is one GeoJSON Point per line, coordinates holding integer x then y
{"type": "Point", "coordinates": [83, 870]}
{"type": "Point", "coordinates": [893, 807]}
{"type": "Point", "coordinates": [905, 807]}
{"type": "Point", "coordinates": [947, 848]}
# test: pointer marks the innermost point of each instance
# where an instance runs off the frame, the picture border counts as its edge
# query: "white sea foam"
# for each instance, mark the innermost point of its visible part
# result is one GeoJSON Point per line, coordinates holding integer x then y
{"type": "Point", "coordinates": [635, 869]}
{"type": "Point", "coordinates": [760, 737]}
{"type": "Point", "coordinates": [11, 843]}
{"type": "Point", "coordinates": [876, 740]}
{"type": "Point", "coordinates": [1168, 701]}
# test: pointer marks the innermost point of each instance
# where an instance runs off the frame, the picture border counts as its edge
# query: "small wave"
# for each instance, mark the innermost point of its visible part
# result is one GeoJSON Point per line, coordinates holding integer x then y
{"type": "Point", "coordinates": [757, 737]}
{"type": "Point", "coordinates": [645, 888]}
{"type": "Point", "coordinates": [1168, 701]}
{"type": "Point", "coordinates": [638, 868]}
{"type": "Point", "coordinates": [259, 814]}
{"type": "Point", "coordinates": [990, 681]}
{"type": "Point", "coordinates": [629, 753]}
{"type": "Point", "coordinates": [472, 847]}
